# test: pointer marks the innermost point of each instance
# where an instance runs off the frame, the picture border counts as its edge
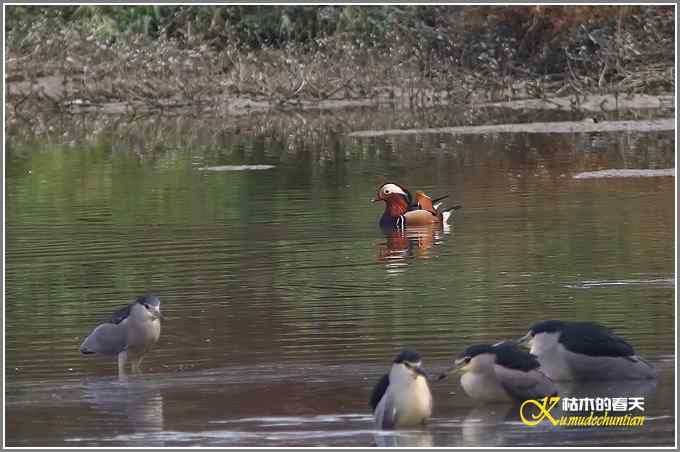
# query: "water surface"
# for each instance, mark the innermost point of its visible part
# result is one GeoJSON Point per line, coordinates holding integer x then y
{"type": "Point", "coordinates": [285, 303]}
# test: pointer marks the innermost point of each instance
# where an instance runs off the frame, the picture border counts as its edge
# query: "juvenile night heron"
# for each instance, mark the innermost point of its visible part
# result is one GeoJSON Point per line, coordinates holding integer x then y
{"type": "Point", "coordinates": [501, 373]}
{"type": "Point", "coordinates": [129, 333]}
{"type": "Point", "coordinates": [584, 351]}
{"type": "Point", "coordinates": [402, 398]}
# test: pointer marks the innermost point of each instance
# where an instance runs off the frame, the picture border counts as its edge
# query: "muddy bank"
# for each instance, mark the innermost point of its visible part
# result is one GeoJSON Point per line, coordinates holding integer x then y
{"type": "Point", "coordinates": [80, 91]}
{"type": "Point", "coordinates": [536, 127]}
{"type": "Point", "coordinates": [592, 103]}
{"type": "Point", "coordinates": [232, 61]}
{"type": "Point", "coordinates": [59, 93]}
{"type": "Point", "coordinates": [665, 172]}
{"type": "Point", "coordinates": [319, 131]}
{"type": "Point", "coordinates": [236, 168]}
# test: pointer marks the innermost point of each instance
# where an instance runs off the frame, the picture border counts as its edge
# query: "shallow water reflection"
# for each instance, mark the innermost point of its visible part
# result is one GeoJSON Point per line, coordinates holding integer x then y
{"type": "Point", "coordinates": [286, 303]}
{"type": "Point", "coordinates": [408, 438]}
{"type": "Point", "coordinates": [293, 405]}
{"type": "Point", "coordinates": [140, 403]}
{"type": "Point", "coordinates": [415, 242]}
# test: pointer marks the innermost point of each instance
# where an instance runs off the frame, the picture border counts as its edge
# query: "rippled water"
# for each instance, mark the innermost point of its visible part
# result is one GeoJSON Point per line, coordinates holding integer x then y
{"type": "Point", "coordinates": [285, 303]}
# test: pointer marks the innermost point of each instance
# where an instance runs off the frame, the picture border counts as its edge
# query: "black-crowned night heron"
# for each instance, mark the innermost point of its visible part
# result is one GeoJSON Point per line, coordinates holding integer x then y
{"type": "Point", "coordinates": [402, 398]}
{"type": "Point", "coordinates": [129, 333]}
{"type": "Point", "coordinates": [584, 351]}
{"type": "Point", "coordinates": [501, 373]}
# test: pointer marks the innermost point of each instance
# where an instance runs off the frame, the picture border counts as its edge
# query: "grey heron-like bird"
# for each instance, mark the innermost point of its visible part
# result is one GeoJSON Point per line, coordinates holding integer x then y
{"type": "Point", "coordinates": [501, 373]}
{"type": "Point", "coordinates": [402, 398]}
{"type": "Point", "coordinates": [129, 333]}
{"type": "Point", "coordinates": [584, 351]}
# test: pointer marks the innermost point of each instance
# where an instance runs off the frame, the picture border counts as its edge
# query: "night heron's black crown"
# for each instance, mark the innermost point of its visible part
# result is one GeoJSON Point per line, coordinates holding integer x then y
{"type": "Point", "coordinates": [150, 300]}
{"type": "Point", "coordinates": [408, 356]}
{"type": "Point", "coordinates": [508, 354]}
{"type": "Point", "coordinates": [547, 326]}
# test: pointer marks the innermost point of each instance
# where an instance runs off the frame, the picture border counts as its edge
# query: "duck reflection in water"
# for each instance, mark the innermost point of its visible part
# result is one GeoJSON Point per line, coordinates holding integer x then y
{"type": "Point", "coordinates": [416, 241]}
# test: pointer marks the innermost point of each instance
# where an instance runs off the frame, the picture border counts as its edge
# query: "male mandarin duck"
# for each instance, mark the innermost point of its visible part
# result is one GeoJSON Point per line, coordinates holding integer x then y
{"type": "Point", "coordinates": [401, 211]}
{"type": "Point", "coordinates": [426, 203]}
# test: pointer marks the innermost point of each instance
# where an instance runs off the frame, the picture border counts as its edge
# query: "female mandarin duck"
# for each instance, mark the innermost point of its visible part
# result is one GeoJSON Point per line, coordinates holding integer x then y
{"type": "Point", "coordinates": [401, 211]}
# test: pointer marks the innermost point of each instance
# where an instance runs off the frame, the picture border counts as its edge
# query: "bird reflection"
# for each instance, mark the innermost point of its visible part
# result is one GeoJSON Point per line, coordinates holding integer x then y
{"type": "Point", "coordinates": [415, 241]}
{"type": "Point", "coordinates": [496, 425]}
{"type": "Point", "coordinates": [410, 438]}
{"type": "Point", "coordinates": [481, 427]}
{"type": "Point", "coordinates": [138, 404]}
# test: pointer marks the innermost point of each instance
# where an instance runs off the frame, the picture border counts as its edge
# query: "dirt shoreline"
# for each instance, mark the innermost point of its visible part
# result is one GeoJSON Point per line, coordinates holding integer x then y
{"type": "Point", "coordinates": [52, 92]}
{"type": "Point", "coordinates": [592, 103]}
{"type": "Point", "coordinates": [535, 127]}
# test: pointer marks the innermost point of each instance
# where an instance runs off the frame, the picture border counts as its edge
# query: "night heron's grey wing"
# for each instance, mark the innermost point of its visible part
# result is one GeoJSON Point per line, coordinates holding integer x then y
{"type": "Point", "coordinates": [587, 368]}
{"type": "Point", "coordinates": [522, 385]}
{"type": "Point", "coordinates": [107, 339]}
{"type": "Point", "coordinates": [645, 368]}
{"type": "Point", "coordinates": [386, 413]}
{"type": "Point", "coordinates": [379, 391]}
{"type": "Point", "coordinates": [120, 315]}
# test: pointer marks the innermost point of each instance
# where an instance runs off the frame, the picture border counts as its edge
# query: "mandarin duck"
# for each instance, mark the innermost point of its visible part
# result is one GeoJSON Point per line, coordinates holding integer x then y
{"type": "Point", "coordinates": [402, 211]}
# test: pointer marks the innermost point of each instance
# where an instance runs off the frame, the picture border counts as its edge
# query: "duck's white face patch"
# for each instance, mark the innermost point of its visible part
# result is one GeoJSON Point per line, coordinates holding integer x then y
{"type": "Point", "coordinates": [389, 189]}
